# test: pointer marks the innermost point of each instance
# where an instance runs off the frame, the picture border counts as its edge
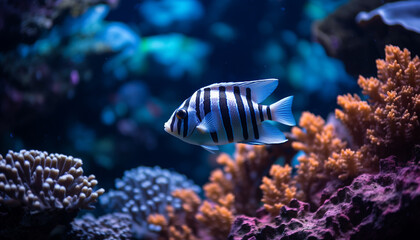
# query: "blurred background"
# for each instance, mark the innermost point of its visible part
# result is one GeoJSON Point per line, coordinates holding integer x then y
{"type": "Point", "coordinates": [98, 79]}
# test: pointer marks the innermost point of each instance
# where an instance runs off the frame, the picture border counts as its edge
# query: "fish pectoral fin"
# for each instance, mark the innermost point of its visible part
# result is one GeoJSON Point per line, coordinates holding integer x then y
{"type": "Point", "coordinates": [269, 134]}
{"type": "Point", "coordinates": [208, 124]}
{"type": "Point", "coordinates": [212, 149]}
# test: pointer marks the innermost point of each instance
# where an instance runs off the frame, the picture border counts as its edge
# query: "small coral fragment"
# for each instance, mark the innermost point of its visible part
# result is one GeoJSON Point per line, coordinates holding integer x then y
{"type": "Point", "coordinates": [217, 219]}
{"type": "Point", "coordinates": [346, 164]}
{"type": "Point", "coordinates": [180, 224]}
{"type": "Point", "coordinates": [277, 191]}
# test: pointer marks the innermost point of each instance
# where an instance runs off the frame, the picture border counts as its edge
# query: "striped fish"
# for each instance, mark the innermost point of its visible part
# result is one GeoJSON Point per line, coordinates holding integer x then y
{"type": "Point", "coordinates": [223, 113]}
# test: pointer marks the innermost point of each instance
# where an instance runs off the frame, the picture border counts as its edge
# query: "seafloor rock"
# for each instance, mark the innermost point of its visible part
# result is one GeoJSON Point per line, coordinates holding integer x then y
{"type": "Point", "coordinates": [375, 206]}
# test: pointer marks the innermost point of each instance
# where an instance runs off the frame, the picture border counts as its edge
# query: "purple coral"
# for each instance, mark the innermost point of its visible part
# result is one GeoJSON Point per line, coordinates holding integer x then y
{"type": "Point", "coordinates": [375, 206]}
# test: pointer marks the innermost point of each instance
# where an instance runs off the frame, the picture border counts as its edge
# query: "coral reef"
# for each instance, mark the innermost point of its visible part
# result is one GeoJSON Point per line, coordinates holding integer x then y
{"type": "Point", "coordinates": [366, 209]}
{"type": "Point", "coordinates": [39, 191]}
{"type": "Point", "coordinates": [234, 190]}
{"type": "Point", "coordinates": [279, 190]}
{"type": "Point", "coordinates": [108, 227]}
{"type": "Point", "coordinates": [180, 224]}
{"type": "Point", "coordinates": [353, 189]}
{"type": "Point", "coordinates": [388, 123]}
{"type": "Point", "coordinates": [145, 191]}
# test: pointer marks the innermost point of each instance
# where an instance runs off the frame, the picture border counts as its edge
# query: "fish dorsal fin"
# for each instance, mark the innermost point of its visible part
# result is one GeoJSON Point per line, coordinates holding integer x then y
{"type": "Point", "coordinates": [260, 89]}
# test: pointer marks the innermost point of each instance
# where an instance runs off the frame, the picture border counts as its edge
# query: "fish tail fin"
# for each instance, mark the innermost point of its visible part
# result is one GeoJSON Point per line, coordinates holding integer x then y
{"type": "Point", "coordinates": [281, 111]}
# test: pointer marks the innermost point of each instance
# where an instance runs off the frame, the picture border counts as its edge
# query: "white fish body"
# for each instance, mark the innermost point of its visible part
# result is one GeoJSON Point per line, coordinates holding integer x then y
{"type": "Point", "coordinates": [223, 113]}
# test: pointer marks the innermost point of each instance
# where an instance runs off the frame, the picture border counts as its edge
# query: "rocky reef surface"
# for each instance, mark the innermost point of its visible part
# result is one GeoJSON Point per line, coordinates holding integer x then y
{"type": "Point", "coordinates": [385, 205]}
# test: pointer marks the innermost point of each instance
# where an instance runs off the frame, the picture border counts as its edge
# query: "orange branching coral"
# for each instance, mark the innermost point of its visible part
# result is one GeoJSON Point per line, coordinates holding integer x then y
{"type": "Point", "coordinates": [240, 179]}
{"type": "Point", "coordinates": [158, 221]}
{"type": "Point", "coordinates": [346, 164]}
{"type": "Point", "coordinates": [278, 191]}
{"type": "Point", "coordinates": [389, 122]}
{"type": "Point", "coordinates": [235, 188]}
{"type": "Point", "coordinates": [184, 233]}
{"type": "Point", "coordinates": [190, 200]}
{"type": "Point", "coordinates": [181, 224]}
{"type": "Point", "coordinates": [217, 219]}
{"type": "Point", "coordinates": [318, 141]}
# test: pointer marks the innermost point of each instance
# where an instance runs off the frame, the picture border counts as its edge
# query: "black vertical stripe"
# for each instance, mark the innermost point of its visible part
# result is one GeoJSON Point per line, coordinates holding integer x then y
{"type": "Point", "coordinates": [173, 122]}
{"type": "Point", "coordinates": [225, 113]}
{"type": "Point", "coordinates": [187, 104]}
{"type": "Point", "coordinates": [206, 101]}
{"type": "Point", "coordinates": [241, 110]}
{"type": "Point", "coordinates": [197, 104]}
{"type": "Point", "coordinates": [268, 113]}
{"type": "Point", "coordinates": [251, 109]}
{"type": "Point", "coordinates": [260, 110]}
{"type": "Point", "coordinates": [178, 125]}
{"type": "Point", "coordinates": [207, 109]}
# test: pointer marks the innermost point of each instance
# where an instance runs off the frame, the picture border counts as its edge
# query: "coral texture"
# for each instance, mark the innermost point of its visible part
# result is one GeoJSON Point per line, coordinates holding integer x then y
{"type": "Point", "coordinates": [115, 226]}
{"type": "Point", "coordinates": [388, 123]}
{"type": "Point", "coordinates": [366, 209]}
{"type": "Point", "coordinates": [181, 224]}
{"type": "Point", "coordinates": [39, 191]}
{"type": "Point", "coordinates": [40, 181]}
{"type": "Point", "coordinates": [318, 141]}
{"type": "Point", "coordinates": [381, 192]}
{"type": "Point", "coordinates": [145, 191]}
{"type": "Point", "coordinates": [235, 189]}
{"type": "Point", "coordinates": [240, 178]}
{"type": "Point", "coordinates": [279, 190]}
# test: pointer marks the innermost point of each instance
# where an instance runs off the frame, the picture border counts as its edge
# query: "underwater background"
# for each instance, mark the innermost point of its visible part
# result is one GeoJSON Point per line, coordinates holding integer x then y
{"type": "Point", "coordinates": [97, 80]}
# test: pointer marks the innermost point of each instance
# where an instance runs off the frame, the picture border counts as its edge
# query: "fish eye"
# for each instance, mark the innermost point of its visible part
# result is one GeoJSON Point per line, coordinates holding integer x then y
{"type": "Point", "coordinates": [181, 113]}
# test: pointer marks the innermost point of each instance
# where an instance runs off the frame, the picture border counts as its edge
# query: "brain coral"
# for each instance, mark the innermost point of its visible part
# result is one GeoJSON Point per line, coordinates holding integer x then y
{"type": "Point", "coordinates": [38, 191]}
{"type": "Point", "coordinates": [144, 191]}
